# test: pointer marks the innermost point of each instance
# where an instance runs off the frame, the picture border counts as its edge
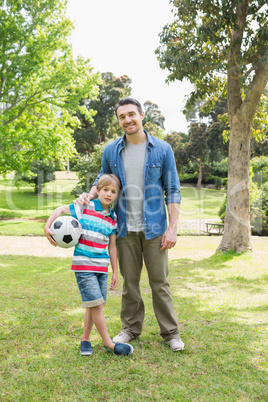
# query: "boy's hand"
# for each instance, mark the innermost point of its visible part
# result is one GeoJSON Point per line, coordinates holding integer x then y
{"type": "Point", "coordinates": [49, 235]}
{"type": "Point", "coordinates": [114, 281]}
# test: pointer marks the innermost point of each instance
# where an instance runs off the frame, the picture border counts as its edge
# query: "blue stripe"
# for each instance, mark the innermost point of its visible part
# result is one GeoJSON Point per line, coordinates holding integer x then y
{"type": "Point", "coordinates": [72, 211]}
{"type": "Point", "coordinates": [81, 251]}
{"type": "Point", "coordinates": [95, 227]}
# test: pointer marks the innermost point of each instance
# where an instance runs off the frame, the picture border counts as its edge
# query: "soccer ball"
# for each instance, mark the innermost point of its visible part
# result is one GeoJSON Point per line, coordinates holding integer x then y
{"type": "Point", "coordinates": [66, 231]}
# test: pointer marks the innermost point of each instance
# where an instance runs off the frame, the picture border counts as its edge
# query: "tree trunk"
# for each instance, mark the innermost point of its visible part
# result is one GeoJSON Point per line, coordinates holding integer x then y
{"type": "Point", "coordinates": [237, 231]}
{"type": "Point", "coordinates": [102, 136]}
{"type": "Point", "coordinates": [200, 175]}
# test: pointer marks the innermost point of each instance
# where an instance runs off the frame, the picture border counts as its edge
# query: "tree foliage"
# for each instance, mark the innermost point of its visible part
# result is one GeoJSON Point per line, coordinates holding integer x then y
{"type": "Point", "coordinates": [179, 148]}
{"type": "Point", "coordinates": [40, 173]}
{"type": "Point", "coordinates": [40, 83]}
{"type": "Point", "coordinates": [111, 90]}
{"type": "Point", "coordinates": [88, 167]}
{"type": "Point", "coordinates": [153, 114]}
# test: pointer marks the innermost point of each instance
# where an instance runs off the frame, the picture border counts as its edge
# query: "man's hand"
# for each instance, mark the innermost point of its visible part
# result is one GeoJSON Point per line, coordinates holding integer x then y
{"type": "Point", "coordinates": [49, 235]}
{"type": "Point", "coordinates": [83, 199]}
{"type": "Point", "coordinates": [169, 239]}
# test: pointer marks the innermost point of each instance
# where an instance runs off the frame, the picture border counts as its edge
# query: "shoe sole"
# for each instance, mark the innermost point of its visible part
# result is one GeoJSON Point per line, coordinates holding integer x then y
{"type": "Point", "coordinates": [177, 349]}
{"type": "Point", "coordinates": [85, 353]}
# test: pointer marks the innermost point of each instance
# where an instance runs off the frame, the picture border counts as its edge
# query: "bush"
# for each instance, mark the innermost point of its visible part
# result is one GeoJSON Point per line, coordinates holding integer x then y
{"type": "Point", "coordinates": [258, 206]}
{"type": "Point", "coordinates": [218, 183]}
{"type": "Point", "coordinates": [222, 209]}
{"type": "Point", "coordinates": [259, 166]}
{"type": "Point", "coordinates": [220, 169]}
{"type": "Point", "coordinates": [207, 179]}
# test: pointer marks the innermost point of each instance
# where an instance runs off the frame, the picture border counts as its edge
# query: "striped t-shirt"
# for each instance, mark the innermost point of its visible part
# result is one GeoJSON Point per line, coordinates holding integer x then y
{"type": "Point", "coordinates": [90, 254]}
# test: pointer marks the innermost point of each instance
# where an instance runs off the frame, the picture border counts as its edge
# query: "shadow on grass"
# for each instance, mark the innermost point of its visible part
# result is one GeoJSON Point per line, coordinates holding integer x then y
{"type": "Point", "coordinates": [205, 271]}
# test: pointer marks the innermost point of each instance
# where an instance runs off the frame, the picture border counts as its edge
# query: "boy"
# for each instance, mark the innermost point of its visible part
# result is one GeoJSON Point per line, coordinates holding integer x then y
{"type": "Point", "coordinates": [90, 260]}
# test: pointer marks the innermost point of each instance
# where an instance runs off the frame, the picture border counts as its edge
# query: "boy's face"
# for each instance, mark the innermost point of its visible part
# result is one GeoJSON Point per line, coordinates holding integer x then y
{"type": "Point", "coordinates": [107, 195]}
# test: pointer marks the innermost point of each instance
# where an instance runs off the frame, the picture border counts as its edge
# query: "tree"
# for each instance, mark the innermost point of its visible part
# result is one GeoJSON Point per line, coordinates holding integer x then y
{"type": "Point", "coordinates": [40, 83]}
{"type": "Point", "coordinates": [207, 42]}
{"type": "Point", "coordinates": [197, 148]}
{"type": "Point", "coordinates": [179, 146]}
{"type": "Point", "coordinates": [111, 90]}
{"type": "Point", "coordinates": [153, 114]}
{"type": "Point", "coordinates": [40, 174]}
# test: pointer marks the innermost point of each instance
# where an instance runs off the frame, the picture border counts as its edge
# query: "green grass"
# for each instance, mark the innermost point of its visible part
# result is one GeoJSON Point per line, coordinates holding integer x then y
{"type": "Point", "coordinates": [21, 208]}
{"type": "Point", "coordinates": [200, 204]}
{"type": "Point", "coordinates": [221, 301]}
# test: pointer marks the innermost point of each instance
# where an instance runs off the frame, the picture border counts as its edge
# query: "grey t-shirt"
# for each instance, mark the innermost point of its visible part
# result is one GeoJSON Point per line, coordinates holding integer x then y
{"type": "Point", "coordinates": [133, 157]}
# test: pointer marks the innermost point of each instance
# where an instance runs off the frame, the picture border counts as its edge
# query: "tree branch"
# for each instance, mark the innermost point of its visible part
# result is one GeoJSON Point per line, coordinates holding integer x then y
{"type": "Point", "coordinates": [255, 90]}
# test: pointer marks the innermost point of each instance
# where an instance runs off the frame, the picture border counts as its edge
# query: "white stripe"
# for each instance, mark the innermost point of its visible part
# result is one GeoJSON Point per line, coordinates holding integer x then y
{"type": "Point", "coordinates": [82, 258]}
{"type": "Point", "coordinates": [96, 235]}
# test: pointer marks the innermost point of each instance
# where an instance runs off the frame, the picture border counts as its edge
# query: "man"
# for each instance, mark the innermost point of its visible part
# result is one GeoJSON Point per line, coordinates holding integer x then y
{"type": "Point", "coordinates": [147, 170]}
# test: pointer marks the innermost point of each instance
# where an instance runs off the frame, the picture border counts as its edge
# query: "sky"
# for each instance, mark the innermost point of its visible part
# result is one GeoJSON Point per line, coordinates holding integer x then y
{"type": "Point", "coordinates": [121, 36]}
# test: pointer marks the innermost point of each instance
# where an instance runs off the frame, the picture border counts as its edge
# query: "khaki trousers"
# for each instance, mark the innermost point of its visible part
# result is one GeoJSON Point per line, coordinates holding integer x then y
{"type": "Point", "coordinates": [131, 252]}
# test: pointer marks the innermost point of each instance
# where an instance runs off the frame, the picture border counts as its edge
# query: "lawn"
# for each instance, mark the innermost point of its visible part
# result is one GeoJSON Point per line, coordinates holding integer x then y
{"type": "Point", "coordinates": [221, 301]}
{"type": "Point", "coordinates": [23, 213]}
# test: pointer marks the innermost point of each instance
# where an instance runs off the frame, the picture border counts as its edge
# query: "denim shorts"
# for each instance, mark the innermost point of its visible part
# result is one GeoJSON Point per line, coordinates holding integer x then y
{"type": "Point", "coordinates": [92, 287]}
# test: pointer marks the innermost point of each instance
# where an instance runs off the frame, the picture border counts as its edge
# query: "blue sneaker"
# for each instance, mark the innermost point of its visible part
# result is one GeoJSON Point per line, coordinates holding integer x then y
{"type": "Point", "coordinates": [123, 349]}
{"type": "Point", "coordinates": [86, 348]}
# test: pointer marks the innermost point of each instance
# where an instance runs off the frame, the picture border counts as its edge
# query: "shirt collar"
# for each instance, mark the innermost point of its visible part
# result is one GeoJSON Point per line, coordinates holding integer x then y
{"type": "Point", "coordinates": [99, 207]}
{"type": "Point", "coordinates": [150, 139]}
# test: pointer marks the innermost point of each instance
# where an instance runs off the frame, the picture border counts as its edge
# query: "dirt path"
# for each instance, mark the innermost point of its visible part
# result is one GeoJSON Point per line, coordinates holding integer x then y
{"type": "Point", "coordinates": [36, 246]}
{"type": "Point", "coordinates": [40, 247]}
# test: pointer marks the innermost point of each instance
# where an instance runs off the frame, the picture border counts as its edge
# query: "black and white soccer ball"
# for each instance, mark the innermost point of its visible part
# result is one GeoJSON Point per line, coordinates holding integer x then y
{"type": "Point", "coordinates": [66, 231]}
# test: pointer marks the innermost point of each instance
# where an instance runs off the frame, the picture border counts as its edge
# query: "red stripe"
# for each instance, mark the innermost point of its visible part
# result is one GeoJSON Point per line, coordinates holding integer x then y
{"type": "Point", "coordinates": [97, 215]}
{"type": "Point", "coordinates": [89, 268]}
{"type": "Point", "coordinates": [92, 243]}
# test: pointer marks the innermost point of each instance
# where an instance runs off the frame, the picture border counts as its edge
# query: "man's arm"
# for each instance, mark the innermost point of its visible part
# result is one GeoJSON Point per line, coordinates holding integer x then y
{"type": "Point", "coordinates": [169, 238]}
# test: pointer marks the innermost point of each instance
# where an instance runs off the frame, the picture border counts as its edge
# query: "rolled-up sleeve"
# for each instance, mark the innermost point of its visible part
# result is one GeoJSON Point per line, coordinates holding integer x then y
{"type": "Point", "coordinates": [171, 182]}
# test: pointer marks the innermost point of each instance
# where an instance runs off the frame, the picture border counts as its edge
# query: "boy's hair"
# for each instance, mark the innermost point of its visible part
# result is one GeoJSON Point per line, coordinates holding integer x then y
{"type": "Point", "coordinates": [129, 101]}
{"type": "Point", "coordinates": [107, 179]}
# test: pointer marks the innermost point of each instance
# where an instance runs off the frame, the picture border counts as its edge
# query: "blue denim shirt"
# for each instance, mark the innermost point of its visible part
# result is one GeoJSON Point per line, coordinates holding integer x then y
{"type": "Point", "coordinates": [161, 183]}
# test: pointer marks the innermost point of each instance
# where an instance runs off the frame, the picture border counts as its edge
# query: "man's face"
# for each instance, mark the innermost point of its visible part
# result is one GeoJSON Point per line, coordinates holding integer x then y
{"type": "Point", "coordinates": [130, 119]}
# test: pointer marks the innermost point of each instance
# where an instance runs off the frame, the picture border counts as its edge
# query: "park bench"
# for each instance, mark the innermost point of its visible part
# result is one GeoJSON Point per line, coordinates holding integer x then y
{"type": "Point", "coordinates": [214, 228]}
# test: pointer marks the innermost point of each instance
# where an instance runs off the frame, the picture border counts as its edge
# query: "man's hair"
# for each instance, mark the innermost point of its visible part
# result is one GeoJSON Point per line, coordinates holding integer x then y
{"type": "Point", "coordinates": [107, 180]}
{"type": "Point", "coordinates": [129, 101]}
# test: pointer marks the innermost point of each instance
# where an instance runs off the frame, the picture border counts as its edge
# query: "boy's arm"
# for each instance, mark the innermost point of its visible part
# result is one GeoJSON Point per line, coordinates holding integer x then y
{"type": "Point", "coordinates": [112, 249]}
{"type": "Point", "coordinates": [65, 209]}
